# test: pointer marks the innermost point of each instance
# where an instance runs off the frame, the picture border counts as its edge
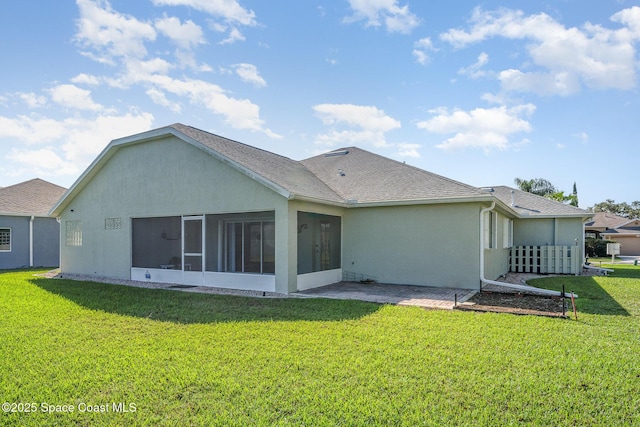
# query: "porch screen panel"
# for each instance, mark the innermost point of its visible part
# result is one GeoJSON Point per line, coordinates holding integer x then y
{"type": "Point", "coordinates": [157, 242]}
{"type": "Point", "coordinates": [319, 242]}
{"type": "Point", "coordinates": [269, 247]}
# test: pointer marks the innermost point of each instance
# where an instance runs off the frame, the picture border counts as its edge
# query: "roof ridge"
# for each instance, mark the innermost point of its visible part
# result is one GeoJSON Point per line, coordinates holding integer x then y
{"type": "Point", "coordinates": [231, 140]}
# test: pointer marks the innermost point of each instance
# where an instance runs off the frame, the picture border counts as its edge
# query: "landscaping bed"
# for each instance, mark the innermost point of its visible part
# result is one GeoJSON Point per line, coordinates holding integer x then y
{"type": "Point", "coordinates": [516, 303]}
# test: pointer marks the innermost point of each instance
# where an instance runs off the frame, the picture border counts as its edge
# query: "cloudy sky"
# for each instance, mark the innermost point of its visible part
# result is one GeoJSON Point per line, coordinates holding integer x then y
{"type": "Point", "coordinates": [482, 92]}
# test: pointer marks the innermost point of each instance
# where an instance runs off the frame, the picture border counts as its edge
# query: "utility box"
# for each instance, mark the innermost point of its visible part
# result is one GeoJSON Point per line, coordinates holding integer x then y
{"type": "Point", "coordinates": [613, 248]}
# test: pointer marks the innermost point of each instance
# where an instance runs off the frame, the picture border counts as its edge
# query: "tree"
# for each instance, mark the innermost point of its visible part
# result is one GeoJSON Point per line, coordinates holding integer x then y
{"type": "Point", "coordinates": [539, 186]}
{"type": "Point", "coordinates": [542, 187]}
{"type": "Point", "coordinates": [621, 209]}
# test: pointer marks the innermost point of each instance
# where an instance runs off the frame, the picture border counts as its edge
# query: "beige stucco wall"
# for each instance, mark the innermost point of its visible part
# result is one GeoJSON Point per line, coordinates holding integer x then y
{"type": "Point", "coordinates": [429, 245]}
{"type": "Point", "coordinates": [161, 178]}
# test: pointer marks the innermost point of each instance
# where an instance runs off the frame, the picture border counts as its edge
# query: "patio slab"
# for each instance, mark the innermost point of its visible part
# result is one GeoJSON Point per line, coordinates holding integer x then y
{"type": "Point", "coordinates": [420, 296]}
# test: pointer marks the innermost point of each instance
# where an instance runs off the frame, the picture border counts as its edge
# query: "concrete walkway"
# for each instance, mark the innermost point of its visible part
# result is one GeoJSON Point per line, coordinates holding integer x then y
{"type": "Point", "coordinates": [420, 296]}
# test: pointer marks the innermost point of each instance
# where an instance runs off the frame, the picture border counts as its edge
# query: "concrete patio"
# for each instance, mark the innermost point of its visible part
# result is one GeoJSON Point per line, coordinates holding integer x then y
{"type": "Point", "coordinates": [420, 296]}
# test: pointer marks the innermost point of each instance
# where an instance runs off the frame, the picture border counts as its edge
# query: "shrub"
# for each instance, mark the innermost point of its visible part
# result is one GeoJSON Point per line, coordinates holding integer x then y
{"type": "Point", "coordinates": [596, 247]}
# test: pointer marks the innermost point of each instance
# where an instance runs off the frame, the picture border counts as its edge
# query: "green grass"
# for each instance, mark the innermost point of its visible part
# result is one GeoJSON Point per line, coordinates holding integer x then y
{"type": "Point", "coordinates": [196, 359]}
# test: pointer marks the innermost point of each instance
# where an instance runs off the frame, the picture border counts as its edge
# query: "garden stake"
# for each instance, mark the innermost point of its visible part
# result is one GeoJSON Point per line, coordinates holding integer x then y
{"type": "Point", "coordinates": [575, 313]}
{"type": "Point", "coordinates": [563, 302]}
{"type": "Point", "coordinates": [455, 300]}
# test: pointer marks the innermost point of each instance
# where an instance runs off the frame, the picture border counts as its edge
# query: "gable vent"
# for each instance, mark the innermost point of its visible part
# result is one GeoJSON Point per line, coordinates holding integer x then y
{"type": "Point", "coordinates": [337, 153]}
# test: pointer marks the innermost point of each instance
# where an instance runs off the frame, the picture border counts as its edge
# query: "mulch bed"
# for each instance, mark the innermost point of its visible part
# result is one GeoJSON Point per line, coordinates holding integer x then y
{"type": "Point", "coordinates": [516, 303]}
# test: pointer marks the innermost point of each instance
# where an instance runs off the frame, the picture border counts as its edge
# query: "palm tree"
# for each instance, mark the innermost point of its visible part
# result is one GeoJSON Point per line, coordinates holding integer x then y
{"type": "Point", "coordinates": [539, 186]}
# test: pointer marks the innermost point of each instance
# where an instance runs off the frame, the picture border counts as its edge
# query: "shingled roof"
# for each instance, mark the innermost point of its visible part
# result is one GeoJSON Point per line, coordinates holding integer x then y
{"type": "Point", "coordinates": [527, 204]}
{"type": "Point", "coordinates": [365, 177]}
{"type": "Point", "coordinates": [348, 176]}
{"type": "Point", "coordinates": [33, 197]}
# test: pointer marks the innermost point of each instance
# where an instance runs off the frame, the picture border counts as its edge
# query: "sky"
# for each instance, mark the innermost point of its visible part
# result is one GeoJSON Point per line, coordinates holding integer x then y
{"type": "Point", "coordinates": [482, 92]}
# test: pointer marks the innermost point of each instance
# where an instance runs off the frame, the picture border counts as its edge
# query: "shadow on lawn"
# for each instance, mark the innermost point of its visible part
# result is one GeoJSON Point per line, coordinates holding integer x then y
{"type": "Point", "coordinates": [188, 307]}
{"type": "Point", "coordinates": [592, 298]}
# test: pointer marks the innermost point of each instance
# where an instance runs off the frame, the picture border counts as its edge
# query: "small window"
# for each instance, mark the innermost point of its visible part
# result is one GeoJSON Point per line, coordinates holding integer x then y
{"type": "Point", "coordinates": [74, 233]}
{"type": "Point", "coordinates": [112, 223]}
{"type": "Point", "coordinates": [5, 240]}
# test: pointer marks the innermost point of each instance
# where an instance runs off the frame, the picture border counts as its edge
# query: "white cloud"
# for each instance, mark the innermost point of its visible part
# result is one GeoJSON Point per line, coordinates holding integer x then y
{"type": "Point", "coordinates": [32, 100]}
{"type": "Point", "coordinates": [229, 10]}
{"type": "Point", "coordinates": [408, 150]}
{"type": "Point", "coordinates": [582, 136]}
{"type": "Point", "coordinates": [111, 34]}
{"type": "Point", "coordinates": [186, 35]}
{"type": "Point", "coordinates": [234, 36]}
{"type": "Point", "coordinates": [86, 79]}
{"type": "Point", "coordinates": [475, 70]}
{"type": "Point", "coordinates": [567, 58]}
{"type": "Point", "coordinates": [484, 128]}
{"type": "Point", "coordinates": [72, 96]}
{"type": "Point", "coordinates": [158, 97]}
{"type": "Point", "coordinates": [249, 73]}
{"type": "Point", "coordinates": [421, 50]}
{"type": "Point", "coordinates": [80, 139]}
{"type": "Point", "coordinates": [371, 125]}
{"type": "Point", "coordinates": [383, 12]}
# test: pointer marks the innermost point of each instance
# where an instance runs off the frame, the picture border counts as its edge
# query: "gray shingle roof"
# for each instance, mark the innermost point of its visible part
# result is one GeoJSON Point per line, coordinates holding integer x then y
{"type": "Point", "coordinates": [34, 197]}
{"type": "Point", "coordinates": [528, 204]}
{"type": "Point", "coordinates": [360, 175]}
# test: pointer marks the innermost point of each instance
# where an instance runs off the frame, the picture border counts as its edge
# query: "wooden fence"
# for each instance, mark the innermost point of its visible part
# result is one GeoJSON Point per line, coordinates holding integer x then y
{"type": "Point", "coordinates": [545, 259]}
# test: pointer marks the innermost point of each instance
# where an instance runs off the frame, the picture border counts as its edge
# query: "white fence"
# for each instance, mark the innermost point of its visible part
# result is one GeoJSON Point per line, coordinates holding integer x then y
{"type": "Point", "coordinates": [545, 259]}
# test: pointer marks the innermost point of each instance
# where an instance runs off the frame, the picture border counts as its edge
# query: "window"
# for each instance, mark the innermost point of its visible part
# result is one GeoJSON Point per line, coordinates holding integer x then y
{"type": "Point", "coordinates": [319, 242]}
{"type": "Point", "coordinates": [74, 233]}
{"type": "Point", "coordinates": [112, 223]}
{"type": "Point", "coordinates": [5, 240]}
{"type": "Point", "coordinates": [507, 233]}
{"type": "Point", "coordinates": [490, 225]}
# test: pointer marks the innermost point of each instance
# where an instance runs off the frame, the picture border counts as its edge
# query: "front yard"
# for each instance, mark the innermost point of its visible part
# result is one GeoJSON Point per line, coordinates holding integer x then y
{"type": "Point", "coordinates": [80, 353]}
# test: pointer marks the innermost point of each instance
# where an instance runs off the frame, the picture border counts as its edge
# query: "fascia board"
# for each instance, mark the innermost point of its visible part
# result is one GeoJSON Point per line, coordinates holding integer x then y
{"type": "Point", "coordinates": [465, 199]}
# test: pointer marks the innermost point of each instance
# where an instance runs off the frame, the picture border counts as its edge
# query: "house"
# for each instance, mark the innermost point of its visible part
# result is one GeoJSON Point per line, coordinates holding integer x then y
{"type": "Point", "coordinates": [181, 205]}
{"type": "Point", "coordinates": [601, 222]}
{"type": "Point", "coordinates": [28, 236]}
{"type": "Point", "coordinates": [607, 226]}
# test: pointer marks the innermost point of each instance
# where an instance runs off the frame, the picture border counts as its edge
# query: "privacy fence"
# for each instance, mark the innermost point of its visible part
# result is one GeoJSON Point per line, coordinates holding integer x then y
{"type": "Point", "coordinates": [545, 259]}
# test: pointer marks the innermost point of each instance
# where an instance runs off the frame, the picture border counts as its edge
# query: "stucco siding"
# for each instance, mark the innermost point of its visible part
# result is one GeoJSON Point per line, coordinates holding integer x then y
{"type": "Point", "coordinates": [46, 242]}
{"type": "Point", "coordinates": [19, 255]}
{"type": "Point", "coordinates": [158, 178]}
{"type": "Point", "coordinates": [428, 245]}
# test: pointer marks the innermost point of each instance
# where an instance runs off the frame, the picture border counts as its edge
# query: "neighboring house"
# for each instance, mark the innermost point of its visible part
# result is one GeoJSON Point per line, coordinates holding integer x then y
{"type": "Point", "coordinates": [180, 205]}
{"type": "Point", "coordinates": [601, 222]}
{"type": "Point", "coordinates": [28, 236]}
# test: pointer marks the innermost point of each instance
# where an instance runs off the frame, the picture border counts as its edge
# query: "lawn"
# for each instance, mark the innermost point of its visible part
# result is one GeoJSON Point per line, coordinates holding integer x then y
{"type": "Point", "coordinates": [118, 355]}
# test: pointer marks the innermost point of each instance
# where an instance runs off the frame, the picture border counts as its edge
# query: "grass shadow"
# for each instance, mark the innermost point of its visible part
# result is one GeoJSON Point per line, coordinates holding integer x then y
{"type": "Point", "coordinates": [188, 307]}
{"type": "Point", "coordinates": [592, 298]}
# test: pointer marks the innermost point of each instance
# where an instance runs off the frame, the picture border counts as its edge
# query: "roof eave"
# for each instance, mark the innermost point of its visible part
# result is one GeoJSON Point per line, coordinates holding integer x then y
{"type": "Point", "coordinates": [422, 201]}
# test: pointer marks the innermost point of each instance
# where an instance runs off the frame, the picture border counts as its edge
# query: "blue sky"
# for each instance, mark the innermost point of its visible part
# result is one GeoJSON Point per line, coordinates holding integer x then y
{"type": "Point", "coordinates": [482, 92]}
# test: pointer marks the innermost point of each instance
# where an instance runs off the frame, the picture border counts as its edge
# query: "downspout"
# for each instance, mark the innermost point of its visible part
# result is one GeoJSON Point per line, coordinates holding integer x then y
{"type": "Point", "coordinates": [31, 240]}
{"type": "Point", "coordinates": [485, 281]}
